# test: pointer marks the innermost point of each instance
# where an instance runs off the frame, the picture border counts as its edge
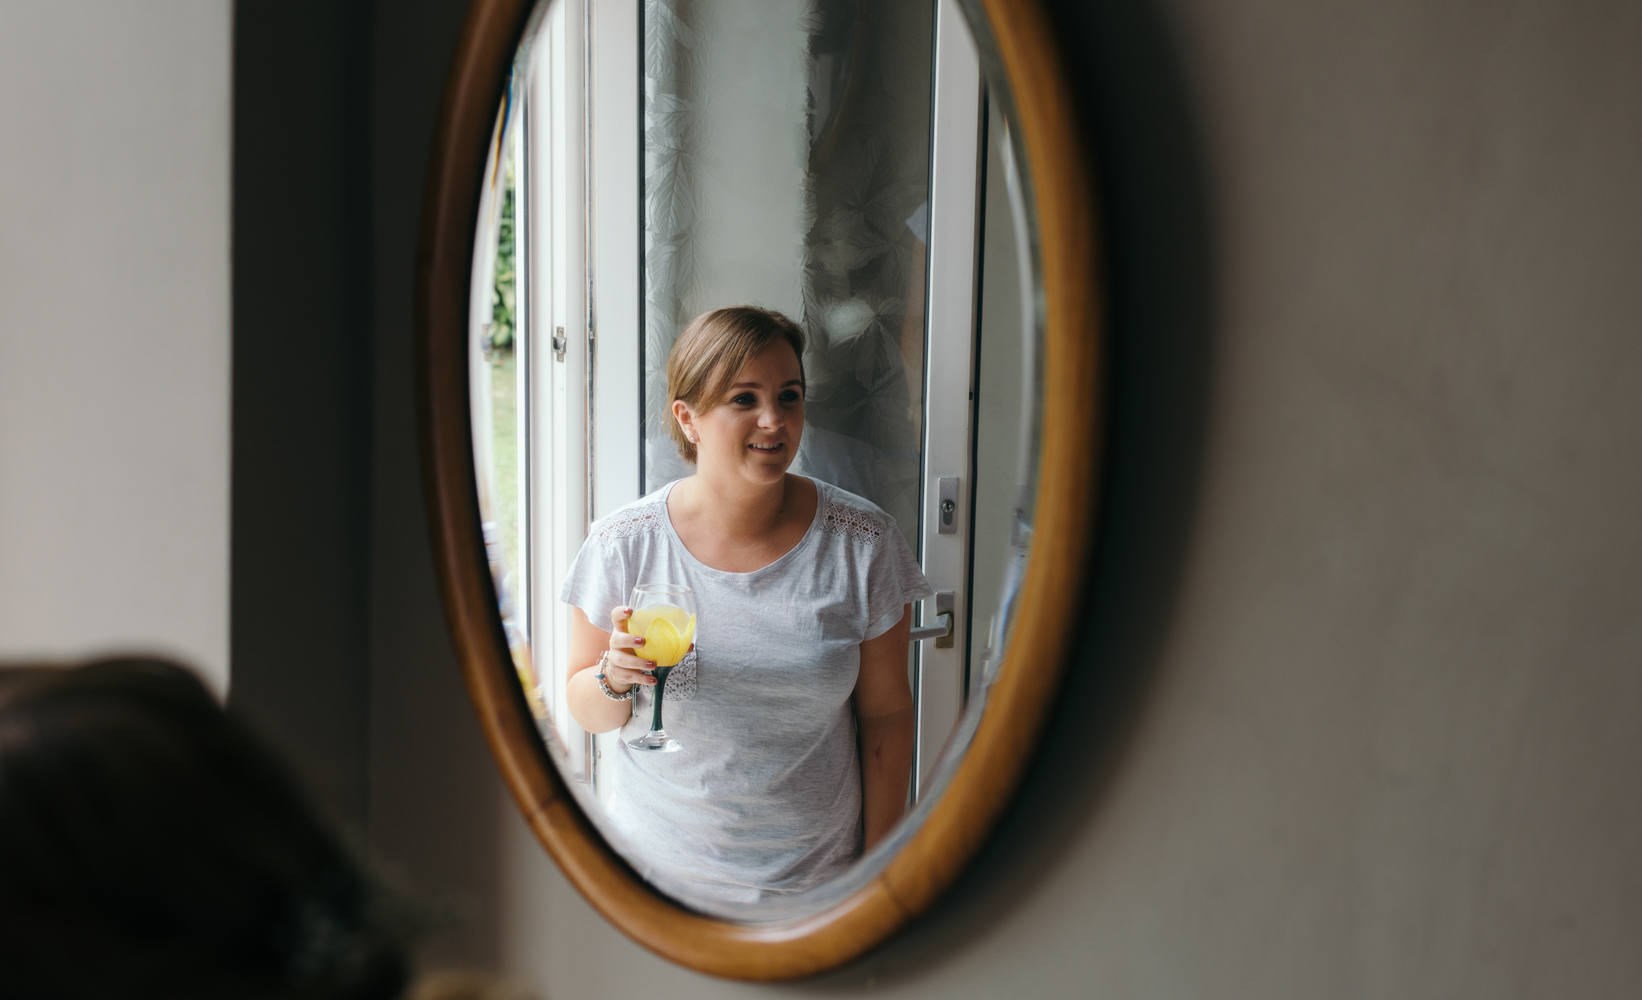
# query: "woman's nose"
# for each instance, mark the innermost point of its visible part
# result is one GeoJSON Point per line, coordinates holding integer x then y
{"type": "Point", "coordinates": [770, 417]}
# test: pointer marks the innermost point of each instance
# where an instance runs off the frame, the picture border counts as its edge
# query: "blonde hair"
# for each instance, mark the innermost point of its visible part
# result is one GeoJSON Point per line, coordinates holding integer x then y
{"type": "Point", "coordinates": [711, 352]}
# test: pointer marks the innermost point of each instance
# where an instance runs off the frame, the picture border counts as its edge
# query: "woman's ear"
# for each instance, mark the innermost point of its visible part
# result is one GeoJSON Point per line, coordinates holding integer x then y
{"type": "Point", "coordinates": [686, 421]}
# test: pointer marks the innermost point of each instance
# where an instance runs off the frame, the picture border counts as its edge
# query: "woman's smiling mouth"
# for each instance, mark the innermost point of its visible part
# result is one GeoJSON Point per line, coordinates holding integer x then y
{"type": "Point", "coordinates": [767, 448]}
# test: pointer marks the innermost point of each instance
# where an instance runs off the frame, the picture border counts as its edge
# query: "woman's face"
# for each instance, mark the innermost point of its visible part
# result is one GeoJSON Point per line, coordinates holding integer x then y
{"type": "Point", "coordinates": [752, 432]}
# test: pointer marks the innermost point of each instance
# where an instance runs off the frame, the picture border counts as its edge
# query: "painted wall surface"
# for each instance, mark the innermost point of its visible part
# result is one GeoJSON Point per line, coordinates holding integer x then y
{"type": "Point", "coordinates": [114, 329]}
{"type": "Point", "coordinates": [1368, 641]}
{"type": "Point", "coordinates": [302, 393]}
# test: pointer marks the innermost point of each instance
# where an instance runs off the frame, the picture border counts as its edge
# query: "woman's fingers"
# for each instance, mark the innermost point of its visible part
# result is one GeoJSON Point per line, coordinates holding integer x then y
{"type": "Point", "coordinates": [622, 640]}
{"type": "Point", "coordinates": [623, 666]}
{"type": "Point", "coordinates": [628, 678]}
{"type": "Point", "coordinates": [630, 661]}
{"type": "Point", "coordinates": [629, 669]}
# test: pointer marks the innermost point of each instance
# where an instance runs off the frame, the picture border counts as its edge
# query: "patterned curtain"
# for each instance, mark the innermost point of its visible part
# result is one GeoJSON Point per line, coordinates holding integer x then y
{"type": "Point", "coordinates": [858, 78]}
{"type": "Point", "coordinates": [671, 114]}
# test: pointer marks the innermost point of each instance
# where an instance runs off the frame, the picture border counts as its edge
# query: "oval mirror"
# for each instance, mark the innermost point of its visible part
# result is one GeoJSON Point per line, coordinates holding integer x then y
{"type": "Point", "coordinates": [766, 333]}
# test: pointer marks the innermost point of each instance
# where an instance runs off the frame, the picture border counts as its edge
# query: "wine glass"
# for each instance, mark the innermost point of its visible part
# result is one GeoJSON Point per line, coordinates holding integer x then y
{"type": "Point", "coordinates": [665, 614]}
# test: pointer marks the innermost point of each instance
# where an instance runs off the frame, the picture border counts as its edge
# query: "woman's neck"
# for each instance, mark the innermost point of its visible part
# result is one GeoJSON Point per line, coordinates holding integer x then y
{"type": "Point", "coordinates": [735, 508]}
{"type": "Point", "coordinates": [739, 526]}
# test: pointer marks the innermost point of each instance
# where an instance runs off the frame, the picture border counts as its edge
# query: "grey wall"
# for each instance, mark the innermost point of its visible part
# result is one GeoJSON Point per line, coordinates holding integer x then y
{"type": "Point", "coordinates": [114, 330]}
{"type": "Point", "coordinates": [302, 386]}
{"type": "Point", "coordinates": [1367, 599]}
{"type": "Point", "coordinates": [436, 804]}
{"type": "Point", "coordinates": [340, 651]}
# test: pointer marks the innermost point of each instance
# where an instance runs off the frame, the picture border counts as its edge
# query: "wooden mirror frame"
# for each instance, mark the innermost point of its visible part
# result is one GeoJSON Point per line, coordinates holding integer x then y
{"type": "Point", "coordinates": [1050, 603]}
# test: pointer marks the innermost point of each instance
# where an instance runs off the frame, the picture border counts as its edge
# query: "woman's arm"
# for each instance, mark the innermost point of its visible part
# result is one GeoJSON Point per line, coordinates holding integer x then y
{"type": "Point", "coordinates": [588, 705]}
{"type": "Point", "coordinates": [883, 713]}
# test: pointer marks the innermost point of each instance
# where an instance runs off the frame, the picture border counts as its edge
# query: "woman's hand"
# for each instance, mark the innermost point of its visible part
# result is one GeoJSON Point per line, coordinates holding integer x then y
{"type": "Point", "coordinates": [612, 649]}
{"type": "Point", "coordinates": [624, 666]}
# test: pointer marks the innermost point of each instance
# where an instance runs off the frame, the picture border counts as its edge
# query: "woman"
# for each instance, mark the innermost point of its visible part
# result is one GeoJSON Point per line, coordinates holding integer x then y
{"type": "Point", "coordinates": [794, 711]}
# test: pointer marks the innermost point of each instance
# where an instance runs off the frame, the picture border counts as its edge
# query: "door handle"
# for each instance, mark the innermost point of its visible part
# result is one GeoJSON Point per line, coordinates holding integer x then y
{"type": "Point", "coordinates": [941, 631]}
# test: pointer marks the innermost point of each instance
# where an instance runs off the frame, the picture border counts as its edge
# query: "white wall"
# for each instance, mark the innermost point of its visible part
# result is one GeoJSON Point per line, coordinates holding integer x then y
{"type": "Point", "coordinates": [114, 329]}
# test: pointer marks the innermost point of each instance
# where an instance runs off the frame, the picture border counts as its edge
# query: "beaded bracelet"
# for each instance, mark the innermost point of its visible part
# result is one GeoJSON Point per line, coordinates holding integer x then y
{"type": "Point", "coordinates": [604, 684]}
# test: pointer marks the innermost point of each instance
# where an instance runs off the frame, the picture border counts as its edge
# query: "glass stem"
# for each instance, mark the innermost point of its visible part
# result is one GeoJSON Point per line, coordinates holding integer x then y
{"type": "Point", "coordinates": [661, 685]}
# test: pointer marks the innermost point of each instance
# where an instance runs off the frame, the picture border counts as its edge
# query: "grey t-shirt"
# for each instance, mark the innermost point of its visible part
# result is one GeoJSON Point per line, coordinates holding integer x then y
{"type": "Point", "coordinates": [765, 797]}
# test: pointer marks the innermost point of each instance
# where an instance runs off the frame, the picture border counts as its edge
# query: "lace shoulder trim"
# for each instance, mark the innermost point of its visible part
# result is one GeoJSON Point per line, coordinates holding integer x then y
{"type": "Point", "coordinates": [633, 521]}
{"type": "Point", "coordinates": [851, 522]}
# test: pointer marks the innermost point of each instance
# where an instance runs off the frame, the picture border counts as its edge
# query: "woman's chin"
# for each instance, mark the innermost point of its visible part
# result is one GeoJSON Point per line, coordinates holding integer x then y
{"type": "Point", "coordinates": [766, 470]}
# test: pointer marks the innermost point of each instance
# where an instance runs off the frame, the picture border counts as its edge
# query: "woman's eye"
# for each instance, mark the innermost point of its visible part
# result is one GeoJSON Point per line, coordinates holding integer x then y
{"type": "Point", "coordinates": [745, 399]}
{"type": "Point", "coordinates": [790, 396]}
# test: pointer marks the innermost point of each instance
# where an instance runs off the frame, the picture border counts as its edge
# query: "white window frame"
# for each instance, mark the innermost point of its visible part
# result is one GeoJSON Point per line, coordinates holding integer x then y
{"type": "Point", "coordinates": [579, 139]}
{"type": "Point", "coordinates": [615, 163]}
{"type": "Point", "coordinates": [956, 150]}
{"type": "Point", "coordinates": [553, 294]}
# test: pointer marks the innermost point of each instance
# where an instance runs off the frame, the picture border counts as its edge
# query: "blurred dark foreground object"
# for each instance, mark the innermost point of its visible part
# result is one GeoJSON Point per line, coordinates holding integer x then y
{"type": "Point", "coordinates": [150, 846]}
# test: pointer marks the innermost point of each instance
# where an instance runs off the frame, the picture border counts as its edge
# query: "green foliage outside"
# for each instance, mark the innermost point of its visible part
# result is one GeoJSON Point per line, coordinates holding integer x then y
{"type": "Point", "coordinates": [499, 351]}
{"type": "Point", "coordinates": [503, 295]}
{"type": "Point", "coordinates": [504, 442]}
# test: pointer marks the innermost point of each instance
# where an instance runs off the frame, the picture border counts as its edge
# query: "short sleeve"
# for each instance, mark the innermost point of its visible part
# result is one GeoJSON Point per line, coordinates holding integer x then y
{"type": "Point", "coordinates": [893, 581]}
{"type": "Point", "coordinates": [597, 581]}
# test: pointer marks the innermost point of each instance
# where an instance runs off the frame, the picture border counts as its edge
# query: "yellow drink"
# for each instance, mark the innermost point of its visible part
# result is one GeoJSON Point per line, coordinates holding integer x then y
{"type": "Point", "coordinates": [667, 630]}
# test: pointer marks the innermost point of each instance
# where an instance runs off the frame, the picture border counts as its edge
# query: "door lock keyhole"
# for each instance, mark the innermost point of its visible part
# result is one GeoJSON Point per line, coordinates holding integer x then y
{"type": "Point", "coordinates": [947, 492]}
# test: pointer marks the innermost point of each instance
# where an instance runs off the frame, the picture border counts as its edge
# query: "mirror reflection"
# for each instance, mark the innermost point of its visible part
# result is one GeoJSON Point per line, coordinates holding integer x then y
{"type": "Point", "coordinates": [752, 360]}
